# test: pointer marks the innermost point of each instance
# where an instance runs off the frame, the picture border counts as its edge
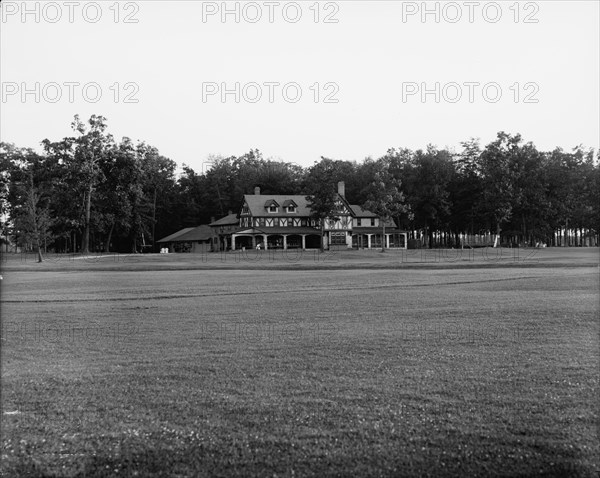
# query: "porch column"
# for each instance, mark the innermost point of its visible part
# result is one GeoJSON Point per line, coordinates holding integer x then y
{"type": "Point", "coordinates": [369, 241]}
{"type": "Point", "coordinates": [233, 236]}
{"type": "Point", "coordinates": [303, 242]}
{"type": "Point", "coordinates": [265, 242]}
{"type": "Point", "coordinates": [284, 242]}
{"type": "Point", "coordinates": [387, 241]}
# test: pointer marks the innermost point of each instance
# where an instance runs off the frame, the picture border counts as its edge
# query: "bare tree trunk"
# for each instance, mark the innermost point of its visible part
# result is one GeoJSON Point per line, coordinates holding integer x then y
{"type": "Point", "coordinates": [85, 246]}
{"type": "Point", "coordinates": [107, 247]}
{"type": "Point", "coordinates": [154, 222]}
{"type": "Point", "coordinates": [497, 239]}
{"type": "Point", "coordinates": [39, 249]}
{"type": "Point", "coordinates": [32, 206]}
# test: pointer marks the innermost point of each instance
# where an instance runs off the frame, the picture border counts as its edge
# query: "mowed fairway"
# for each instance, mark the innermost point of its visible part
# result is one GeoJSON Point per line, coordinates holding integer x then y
{"type": "Point", "coordinates": [450, 372]}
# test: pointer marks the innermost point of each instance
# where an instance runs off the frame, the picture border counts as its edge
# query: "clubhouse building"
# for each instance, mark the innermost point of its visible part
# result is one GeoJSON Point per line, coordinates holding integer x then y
{"type": "Point", "coordinates": [271, 221]}
{"type": "Point", "coordinates": [268, 221]}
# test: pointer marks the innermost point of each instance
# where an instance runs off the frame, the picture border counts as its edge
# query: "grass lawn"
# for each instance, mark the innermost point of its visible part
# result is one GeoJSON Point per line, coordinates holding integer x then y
{"type": "Point", "coordinates": [173, 366]}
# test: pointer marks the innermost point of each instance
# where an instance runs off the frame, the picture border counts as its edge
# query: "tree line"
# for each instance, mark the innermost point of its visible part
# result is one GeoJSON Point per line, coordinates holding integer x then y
{"type": "Point", "coordinates": [91, 193]}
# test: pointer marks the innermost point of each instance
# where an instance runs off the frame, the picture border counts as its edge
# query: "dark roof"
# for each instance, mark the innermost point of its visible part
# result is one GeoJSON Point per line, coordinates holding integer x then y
{"type": "Point", "coordinates": [256, 203]}
{"type": "Point", "coordinates": [360, 212]}
{"type": "Point", "coordinates": [175, 235]}
{"type": "Point", "coordinates": [201, 233]}
{"type": "Point", "coordinates": [190, 234]}
{"type": "Point", "coordinates": [228, 220]}
{"type": "Point", "coordinates": [271, 202]}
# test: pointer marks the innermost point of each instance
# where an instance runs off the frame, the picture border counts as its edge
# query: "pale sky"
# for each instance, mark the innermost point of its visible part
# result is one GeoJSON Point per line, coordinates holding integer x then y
{"type": "Point", "coordinates": [375, 60]}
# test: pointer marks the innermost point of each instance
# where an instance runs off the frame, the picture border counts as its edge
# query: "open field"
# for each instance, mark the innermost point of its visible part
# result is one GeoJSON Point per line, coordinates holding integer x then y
{"type": "Point", "coordinates": [367, 366]}
{"type": "Point", "coordinates": [310, 259]}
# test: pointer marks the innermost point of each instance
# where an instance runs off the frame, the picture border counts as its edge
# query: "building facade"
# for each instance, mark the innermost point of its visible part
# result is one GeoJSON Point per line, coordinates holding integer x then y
{"type": "Point", "coordinates": [268, 221]}
{"type": "Point", "coordinates": [191, 239]}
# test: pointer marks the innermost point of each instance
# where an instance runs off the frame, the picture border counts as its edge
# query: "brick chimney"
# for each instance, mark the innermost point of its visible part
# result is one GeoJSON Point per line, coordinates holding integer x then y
{"type": "Point", "coordinates": [212, 219]}
{"type": "Point", "coordinates": [342, 188]}
{"type": "Point", "coordinates": [257, 191]}
{"type": "Point", "coordinates": [229, 212]}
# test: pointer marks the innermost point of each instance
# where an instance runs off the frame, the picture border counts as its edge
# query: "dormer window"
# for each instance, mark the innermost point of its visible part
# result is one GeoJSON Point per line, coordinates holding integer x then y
{"type": "Point", "coordinates": [271, 206]}
{"type": "Point", "coordinates": [289, 206]}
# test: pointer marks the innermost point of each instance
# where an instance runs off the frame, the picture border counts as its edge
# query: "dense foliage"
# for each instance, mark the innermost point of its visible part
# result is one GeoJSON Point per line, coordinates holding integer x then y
{"type": "Point", "coordinates": [89, 192]}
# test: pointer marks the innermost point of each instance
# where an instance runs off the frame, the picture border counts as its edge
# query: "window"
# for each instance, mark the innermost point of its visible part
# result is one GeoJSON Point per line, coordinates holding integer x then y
{"type": "Point", "coordinates": [338, 238]}
{"type": "Point", "coordinates": [372, 221]}
{"type": "Point", "coordinates": [272, 208]}
{"type": "Point", "coordinates": [358, 222]}
{"type": "Point", "coordinates": [303, 222]}
{"type": "Point", "coordinates": [291, 209]}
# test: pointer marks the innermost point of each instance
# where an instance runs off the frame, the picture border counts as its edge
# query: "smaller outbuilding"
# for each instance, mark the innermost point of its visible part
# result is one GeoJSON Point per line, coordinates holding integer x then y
{"type": "Point", "coordinates": [222, 231]}
{"type": "Point", "coordinates": [191, 239]}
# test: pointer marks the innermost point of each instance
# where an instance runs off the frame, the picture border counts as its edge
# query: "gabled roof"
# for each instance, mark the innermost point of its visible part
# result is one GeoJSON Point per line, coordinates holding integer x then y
{"type": "Point", "coordinates": [289, 202]}
{"type": "Point", "coordinates": [229, 220]}
{"type": "Point", "coordinates": [175, 235]}
{"type": "Point", "coordinates": [360, 212]}
{"type": "Point", "coordinates": [200, 233]}
{"type": "Point", "coordinates": [190, 234]}
{"type": "Point", "coordinates": [271, 202]}
{"type": "Point", "coordinates": [256, 204]}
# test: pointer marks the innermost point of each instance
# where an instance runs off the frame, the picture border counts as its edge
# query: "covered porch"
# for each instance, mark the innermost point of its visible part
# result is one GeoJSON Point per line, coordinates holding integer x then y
{"type": "Point", "coordinates": [276, 238]}
{"type": "Point", "coordinates": [371, 238]}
